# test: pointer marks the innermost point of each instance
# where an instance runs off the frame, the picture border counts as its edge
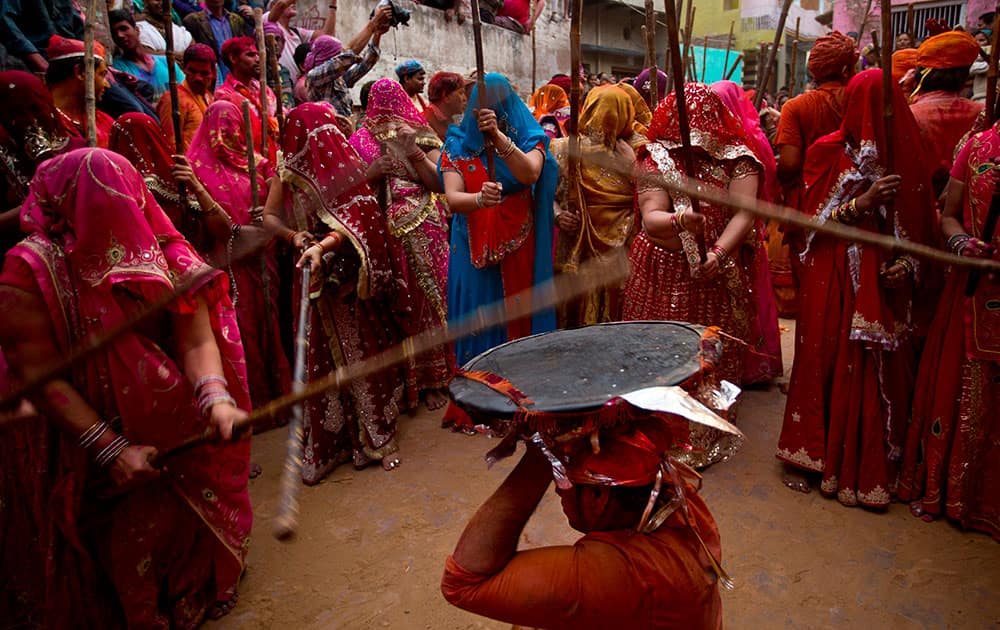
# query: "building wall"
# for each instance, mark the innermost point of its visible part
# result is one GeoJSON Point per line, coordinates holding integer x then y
{"type": "Point", "coordinates": [847, 13]}
{"type": "Point", "coordinates": [444, 46]}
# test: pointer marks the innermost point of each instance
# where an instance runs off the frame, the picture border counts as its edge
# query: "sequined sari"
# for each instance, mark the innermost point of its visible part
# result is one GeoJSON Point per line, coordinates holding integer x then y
{"type": "Point", "coordinates": [99, 249]}
{"type": "Point", "coordinates": [661, 285]}
{"type": "Point", "coordinates": [353, 316]}
{"type": "Point", "coordinates": [951, 461]}
{"type": "Point", "coordinates": [417, 219]}
{"type": "Point", "coordinates": [606, 200]}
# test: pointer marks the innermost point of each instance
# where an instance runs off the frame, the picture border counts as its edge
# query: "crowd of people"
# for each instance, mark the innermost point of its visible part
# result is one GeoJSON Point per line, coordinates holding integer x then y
{"type": "Point", "coordinates": [393, 208]}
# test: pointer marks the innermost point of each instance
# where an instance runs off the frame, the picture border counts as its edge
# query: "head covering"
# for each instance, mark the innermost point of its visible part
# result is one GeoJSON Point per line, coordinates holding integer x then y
{"type": "Point", "coordinates": [408, 69]}
{"type": "Point", "coordinates": [328, 182]}
{"type": "Point", "coordinates": [714, 128]}
{"type": "Point", "coordinates": [237, 46]}
{"type": "Point", "coordinates": [444, 83]}
{"type": "Point", "coordinates": [388, 107]}
{"type": "Point", "coordinates": [139, 139]}
{"type": "Point", "coordinates": [902, 62]}
{"type": "Point", "coordinates": [643, 115]}
{"type": "Point", "coordinates": [830, 55]}
{"type": "Point", "coordinates": [218, 155]}
{"type": "Point", "coordinates": [563, 81]}
{"type": "Point", "coordinates": [273, 28]}
{"type": "Point", "coordinates": [842, 165]}
{"type": "Point", "coordinates": [607, 116]}
{"type": "Point", "coordinates": [324, 48]}
{"type": "Point", "coordinates": [951, 49]}
{"type": "Point", "coordinates": [29, 117]}
{"type": "Point", "coordinates": [546, 100]}
{"type": "Point", "coordinates": [199, 52]}
{"type": "Point", "coordinates": [95, 205]}
{"type": "Point", "coordinates": [642, 84]}
{"type": "Point", "coordinates": [733, 96]}
{"type": "Point", "coordinates": [65, 48]}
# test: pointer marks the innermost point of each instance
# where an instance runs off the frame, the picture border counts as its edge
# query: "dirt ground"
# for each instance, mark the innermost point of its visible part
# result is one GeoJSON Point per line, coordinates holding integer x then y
{"type": "Point", "coordinates": [371, 545]}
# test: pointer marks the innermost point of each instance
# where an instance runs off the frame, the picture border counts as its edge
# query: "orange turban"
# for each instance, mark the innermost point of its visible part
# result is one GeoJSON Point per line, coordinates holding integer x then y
{"type": "Point", "coordinates": [64, 48]}
{"type": "Point", "coordinates": [831, 54]}
{"type": "Point", "coordinates": [902, 62]}
{"type": "Point", "coordinates": [951, 49]}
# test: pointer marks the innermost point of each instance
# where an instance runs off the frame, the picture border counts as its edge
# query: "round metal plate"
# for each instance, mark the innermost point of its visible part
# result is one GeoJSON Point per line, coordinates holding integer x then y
{"type": "Point", "coordinates": [583, 368]}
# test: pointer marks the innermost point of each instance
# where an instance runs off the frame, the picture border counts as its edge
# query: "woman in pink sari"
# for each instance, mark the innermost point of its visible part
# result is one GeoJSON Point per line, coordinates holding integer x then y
{"type": "Point", "coordinates": [125, 544]}
{"type": "Point", "coordinates": [218, 156]}
{"type": "Point", "coordinates": [402, 153]}
{"type": "Point", "coordinates": [338, 225]}
{"type": "Point", "coordinates": [762, 362]}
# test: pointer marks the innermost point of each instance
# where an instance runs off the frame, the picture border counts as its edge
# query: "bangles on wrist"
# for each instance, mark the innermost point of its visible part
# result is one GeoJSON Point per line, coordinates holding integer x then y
{"type": "Point", "coordinates": [479, 200]}
{"type": "Point", "coordinates": [110, 453]}
{"type": "Point", "coordinates": [847, 212]}
{"type": "Point", "coordinates": [211, 390]}
{"type": "Point", "coordinates": [417, 156]}
{"type": "Point", "coordinates": [679, 221]}
{"type": "Point", "coordinates": [507, 150]}
{"type": "Point", "coordinates": [89, 437]}
{"type": "Point", "coordinates": [906, 263]}
{"type": "Point", "coordinates": [720, 253]}
{"type": "Point", "coordinates": [957, 242]}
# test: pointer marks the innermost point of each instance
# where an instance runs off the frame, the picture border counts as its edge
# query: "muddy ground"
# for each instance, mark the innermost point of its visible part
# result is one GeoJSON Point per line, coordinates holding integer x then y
{"type": "Point", "coordinates": [371, 544]}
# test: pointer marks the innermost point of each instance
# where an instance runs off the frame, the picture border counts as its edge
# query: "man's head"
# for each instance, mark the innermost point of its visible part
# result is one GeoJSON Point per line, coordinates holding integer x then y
{"type": "Point", "coordinates": [154, 8]}
{"type": "Point", "coordinates": [300, 54]}
{"type": "Point", "coordinates": [986, 20]}
{"type": "Point", "coordinates": [904, 41]}
{"type": "Point", "coordinates": [66, 69]}
{"type": "Point", "coordinates": [124, 32]}
{"type": "Point", "coordinates": [199, 65]}
{"type": "Point", "coordinates": [944, 61]}
{"type": "Point", "coordinates": [833, 58]}
{"type": "Point", "coordinates": [593, 508]}
{"type": "Point", "coordinates": [242, 58]}
{"type": "Point", "coordinates": [411, 76]}
{"type": "Point", "coordinates": [272, 28]}
{"type": "Point", "coordinates": [447, 92]}
{"type": "Point", "coordinates": [215, 6]}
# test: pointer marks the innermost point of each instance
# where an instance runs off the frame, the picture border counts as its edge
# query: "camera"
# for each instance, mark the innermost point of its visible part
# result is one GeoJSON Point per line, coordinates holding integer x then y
{"type": "Point", "coordinates": [399, 16]}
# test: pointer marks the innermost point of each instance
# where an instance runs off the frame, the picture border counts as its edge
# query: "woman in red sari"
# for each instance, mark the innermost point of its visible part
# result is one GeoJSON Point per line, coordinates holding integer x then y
{"type": "Point", "coordinates": [951, 462]}
{"type": "Point", "coordinates": [339, 226]}
{"type": "Point", "coordinates": [125, 544]}
{"type": "Point", "coordinates": [850, 388]}
{"type": "Point", "coordinates": [218, 156]}
{"type": "Point", "coordinates": [402, 151]}
{"type": "Point", "coordinates": [668, 281]}
{"type": "Point", "coordinates": [140, 140]}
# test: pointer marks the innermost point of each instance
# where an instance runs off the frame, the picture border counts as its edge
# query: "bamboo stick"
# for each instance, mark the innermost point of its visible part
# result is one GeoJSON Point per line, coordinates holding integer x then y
{"type": "Point", "coordinates": [650, 35]}
{"type": "Point", "coordinates": [795, 58]}
{"type": "Point", "coordinates": [779, 35]}
{"type": "Point", "coordinates": [89, 96]}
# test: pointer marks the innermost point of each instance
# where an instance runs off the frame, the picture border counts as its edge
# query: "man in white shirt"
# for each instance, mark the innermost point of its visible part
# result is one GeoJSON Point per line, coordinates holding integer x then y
{"type": "Point", "coordinates": [281, 13]}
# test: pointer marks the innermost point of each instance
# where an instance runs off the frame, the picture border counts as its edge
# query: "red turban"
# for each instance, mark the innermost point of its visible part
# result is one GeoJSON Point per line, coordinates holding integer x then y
{"type": "Point", "coordinates": [237, 46]}
{"type": "Point", "coordinates": [562, 81]}
{"type": "Point", "coordinates": [63, 48]}
{"type": "Point", "coordinates": [830, 55]}
{"type": "Point", "coordinates": [902, 62]}
{"type": "Point", "coordinates": [952, 49]}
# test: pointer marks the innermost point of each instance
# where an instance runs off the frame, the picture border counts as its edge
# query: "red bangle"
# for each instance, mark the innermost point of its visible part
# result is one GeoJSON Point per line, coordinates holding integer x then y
{"type": "Point", "coordinates": [720, 253]}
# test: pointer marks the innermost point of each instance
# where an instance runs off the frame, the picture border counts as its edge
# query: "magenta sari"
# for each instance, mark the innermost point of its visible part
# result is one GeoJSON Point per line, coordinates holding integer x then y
{"type": "Point", "coordinates": [99, 248]}
{"type": "Point", "coordinates": [763, 362]}
{"type": "Point", "coordinates": [218, 156]}
{"type": "Point", "coordinates": [353, 316]}
{"type": "Point", "coordinates": [417, 219]}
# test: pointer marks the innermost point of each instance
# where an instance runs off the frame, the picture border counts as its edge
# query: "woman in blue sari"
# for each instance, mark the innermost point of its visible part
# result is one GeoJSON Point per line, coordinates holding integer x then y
{"type": "Point", "coordinates": [501, 238]}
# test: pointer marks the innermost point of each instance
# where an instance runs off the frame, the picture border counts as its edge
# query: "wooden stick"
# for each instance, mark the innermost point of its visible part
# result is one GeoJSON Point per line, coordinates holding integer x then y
{"type": "Point", "coordinates": [575, 98]}
{"type": "Point", "coordinates": [795, 58]}
{"type": "Point", "coordinates": [735, 65]}
{"type": "Point", "coordinates": [687, 155]}
{"type": "Point", "coordinates": [688, 33]}
{"type": "Point", "coordinates": [534, 50]}
{"type": "Point", "coordinates": [265, 130]}
{"type": "Point", "coordinates": [477, 37]}
{"type": "Point", "coordinates": [89, 97]}
{"type": "Point", "coordinates": [272, 61]}
{"type": "Point", "coordinates": [286, 521]}
{"type": "Point", "coordinates": [779, 35]}
{"type": "Point", "coordinates": [704, 57]}
{"type": "Point", "coordinates": [251, 155]}
{"type": "Point", "coordinates": [729, 46]}
{"type": "Point", "coordinates": [910, 21]}
{"type": "Point", "coordinates": [877, 48]}
{"type": "Point", "coordinates": [649, 31]}
{"type": "Point", "coordinates": [886, 56]}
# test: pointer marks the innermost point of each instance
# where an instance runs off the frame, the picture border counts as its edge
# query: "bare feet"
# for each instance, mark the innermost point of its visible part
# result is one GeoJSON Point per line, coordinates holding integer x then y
{"type": "Point", "coordinates": [255, 470]}
{"type": "Point", "coordinates": [435, 399]}
{"type": "Point", "coordinates": [391, 462]}
{"type": "Point", "coordinates": [221, 609]}
{"type": "Point", "coordinates": [796, 480]}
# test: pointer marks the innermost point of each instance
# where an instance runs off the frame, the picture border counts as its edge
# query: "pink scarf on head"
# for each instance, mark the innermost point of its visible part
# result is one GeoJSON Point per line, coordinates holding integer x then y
{"type": "Point", "coordinates": [740, 105]}
{"type": "Point", "coordinates": [218, 154]}
{"type": "Point", "coordinates": [323, 49]}
{"type": "Point", "coordinates": [389, 107]}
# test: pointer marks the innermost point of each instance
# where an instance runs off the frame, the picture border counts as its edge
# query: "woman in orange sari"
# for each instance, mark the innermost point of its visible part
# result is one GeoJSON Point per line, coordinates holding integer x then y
{"type": "Point", "coordinates": [598, 216]}
{"type": "Point", "coordinates": [550, 107]}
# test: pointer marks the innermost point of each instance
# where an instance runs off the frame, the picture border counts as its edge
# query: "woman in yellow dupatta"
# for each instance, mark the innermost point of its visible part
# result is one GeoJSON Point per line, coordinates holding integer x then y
{"type": "Point", "coordinates": [643, 115]}
{"type": "Point", "coordinates": [603, 218]}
